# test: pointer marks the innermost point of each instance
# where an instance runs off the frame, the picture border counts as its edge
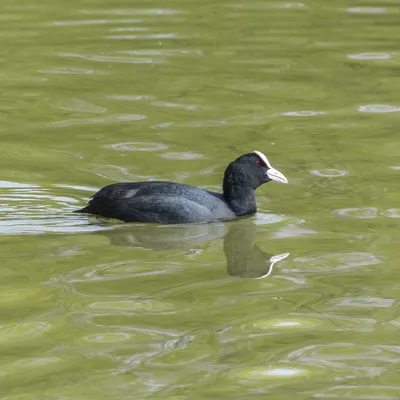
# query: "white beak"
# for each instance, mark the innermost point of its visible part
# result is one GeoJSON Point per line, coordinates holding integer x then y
{"type": "Point", "coordinates": [276, 176]}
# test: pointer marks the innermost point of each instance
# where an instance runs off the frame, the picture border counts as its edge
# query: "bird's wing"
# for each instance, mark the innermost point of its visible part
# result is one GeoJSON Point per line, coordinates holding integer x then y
{"type": "Point", "coordinates": [167, 209]}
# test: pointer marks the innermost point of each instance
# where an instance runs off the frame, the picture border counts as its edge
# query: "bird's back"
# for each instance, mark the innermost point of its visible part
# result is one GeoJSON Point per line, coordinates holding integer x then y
{"type": "Point", "coordinates": [158, 202]}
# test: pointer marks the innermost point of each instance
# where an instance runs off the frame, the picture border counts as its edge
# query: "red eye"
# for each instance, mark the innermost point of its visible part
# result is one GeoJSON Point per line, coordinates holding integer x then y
{"type": "Point", "coordinates": [258, 162]}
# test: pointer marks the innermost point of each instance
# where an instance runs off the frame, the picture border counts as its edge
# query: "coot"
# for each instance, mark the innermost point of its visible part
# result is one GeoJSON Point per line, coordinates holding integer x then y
{"type": "Point", "coordinates": [177, 203]}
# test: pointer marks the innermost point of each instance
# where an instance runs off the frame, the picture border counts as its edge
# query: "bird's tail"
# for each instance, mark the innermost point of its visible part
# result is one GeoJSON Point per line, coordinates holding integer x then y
{"type": "Point", "coordinates": [82, 210]}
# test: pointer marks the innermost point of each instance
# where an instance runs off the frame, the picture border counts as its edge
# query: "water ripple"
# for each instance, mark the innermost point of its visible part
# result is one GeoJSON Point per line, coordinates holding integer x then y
{"type": "Point", "coordinates": [133, 11]}
{"type": "Point", "coordinates": [302, 113]}
{"type": "Point", "coordinates": [378, 108]}
{"type": "Point", "coordinates": [347, 359]}
{"type": "Point", "coordinates": [369, 56]}
{"type": "Point", "coordinates": [328, 263]}
{"type": "Point", "coordinates": [150, 36]}
{"type": "Point", "coordinates": [357, 212]}
{"type": "Point", "coordinates": [367, 212]}
{"type": "Point", "coordinates": [137, 146]}
{"type": "Point", "coordinates": [71, 71]}
{"type": "Point", "coordinates": [292, 230]}
{"type": "Point", "coordinates": [94, 22]}
{"type": "Point", "coordinates": [115, 59]}
{"type": "Point", "coordinates": [189, 107]}
{"type": "Point", "coordinates": [266, 218]}
{"type": "Point", "coordinates": [271, 372]}
{"type": "Point", "coordinates": [108, 337]}
{"type": "Point", "coordinates": [141, 306]}
{"type": "Point", "coordinates": [23, 295]}
{"type": "Point", "coordinates": [109, 119]}
{"type": "Point", "coordinates": [360, 392]}
{"type": "Point", "coordinates": [183, 156]}
{"type": "Point", "coordinates": [31, 209]}
{"type": "Point", "coordinates": [29, 367]}
{"type": "Point", "coordinates": [329, 172]}
{"type": "Point", "coordinates": [22, 330]}
{"type": "Point", "coordinates": [130, 97]}
{"type": "Point", "coordinates": [391, 213]}
{"type": "Point", "coordinates": [142, 29]}
{"type": "Point", "coordinates": [363, 302]}
{"type": "Point", "coordinates": [116, 173]}
{"type": "Point", "coordinates": [78, 105]}
{"type": "Point", "coordinates": [164, 52]}
{"type": "Point", "coordinates": [284, 324]}
{"type": "Point", "coordinates": [366, 10]}
{"type": "Point", "coordinates": [157, 103]}
{"type": "Point", "coordinates": [293, 5]}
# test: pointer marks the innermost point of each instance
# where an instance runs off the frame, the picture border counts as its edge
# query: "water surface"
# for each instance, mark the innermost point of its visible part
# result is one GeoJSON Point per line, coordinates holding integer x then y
{"type": "Point", "coordinates": [300, 299]}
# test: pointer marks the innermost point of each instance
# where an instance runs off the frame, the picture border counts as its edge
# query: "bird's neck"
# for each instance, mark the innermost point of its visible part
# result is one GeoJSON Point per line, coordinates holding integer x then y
{"type": "Point", "coordinates": [240, 198]}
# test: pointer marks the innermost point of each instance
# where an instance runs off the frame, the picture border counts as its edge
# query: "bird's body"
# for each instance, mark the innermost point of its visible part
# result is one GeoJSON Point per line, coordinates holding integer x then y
{"type": "Point", "coordinates": [158, 202]}
{"type": "Point", "coordinates": [177, 203]}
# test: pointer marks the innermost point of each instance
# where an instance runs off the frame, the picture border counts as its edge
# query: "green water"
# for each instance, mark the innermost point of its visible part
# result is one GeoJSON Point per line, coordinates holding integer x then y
{"type": "Point", "coordinates": [95, 92]}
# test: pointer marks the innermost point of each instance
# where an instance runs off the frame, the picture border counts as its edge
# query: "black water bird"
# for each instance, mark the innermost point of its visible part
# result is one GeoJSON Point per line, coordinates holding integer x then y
{"type": "Point", "coordinates": [176, 203]}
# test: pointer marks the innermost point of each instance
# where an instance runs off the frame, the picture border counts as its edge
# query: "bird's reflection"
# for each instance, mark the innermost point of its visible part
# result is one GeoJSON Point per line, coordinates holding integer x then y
{"type": "Point", "coordinates": [243, 257]}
